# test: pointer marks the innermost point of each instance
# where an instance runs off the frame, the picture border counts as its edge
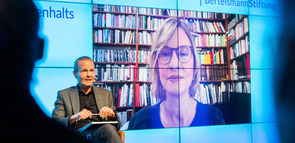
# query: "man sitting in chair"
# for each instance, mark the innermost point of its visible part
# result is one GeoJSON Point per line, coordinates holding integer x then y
{"type": "Point", "coordinates": [76, 105]}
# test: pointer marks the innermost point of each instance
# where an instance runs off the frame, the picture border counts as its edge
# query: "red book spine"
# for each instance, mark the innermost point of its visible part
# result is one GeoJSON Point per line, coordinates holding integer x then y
{"type": "Point", "coordinates": [137, 94]}
{"type": "Point", "coordinates": [117, 21]}
{"type": "Point", "coordinates": [248, 65]}
{"type": "Point", "coordinates": [217, 27]}
{"type": "Point", "coordinates": [212, 57]}
{"type": "Point", "coordinates": [130, 72]}
{"type": "Point", "coordinates": [104, 20]}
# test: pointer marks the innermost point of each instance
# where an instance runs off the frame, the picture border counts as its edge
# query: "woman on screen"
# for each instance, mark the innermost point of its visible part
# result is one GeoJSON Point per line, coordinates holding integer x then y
{"type": "Point", "coordinates": [175, 82]}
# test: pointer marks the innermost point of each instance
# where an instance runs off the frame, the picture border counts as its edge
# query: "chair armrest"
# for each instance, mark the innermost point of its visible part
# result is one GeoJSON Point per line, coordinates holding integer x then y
{"type": "Point", "coordinates": [122, 135]}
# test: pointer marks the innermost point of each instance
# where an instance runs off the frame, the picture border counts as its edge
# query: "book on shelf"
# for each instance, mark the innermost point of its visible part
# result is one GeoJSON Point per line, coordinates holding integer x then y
{"type": "Point", "coordinates": [209, 40]}
{"type": "Point", "coordinates": [125, 116]}
{"type": "Point", "coordinates": [152, 11]}
{"type": "Point", "coordinates": [143, 56]}
{"type": "Point", "coordinates": [236, 32]}
{"type": "Point", "coordinates": [233, 19]}
{"type": "Point", "coordinates": [221, 93]}
{"type": "Point", "coordinates": [114, 36]}
{"type": "Point", "coordinates": [149, 22]}
{"type": "Point", "coordinates": [122, 94]}
{"type": "Point", "coordinates": [239, 48]}
{"type": "Point", "coordinates": [113, 20]}
{"type": "Point", "coordinates": [114, 55]}
{"type": "Point", "coordinates": [145, 37]}
{"type": "Point", "coordinates": [115, 72]}
{"type": "Point", "coordinates": [213, 93]}
{"type": "Point", "coordinates": [214, 73]}
{"type": "Point", "coordinates": [212, 57]}
{"type": "Point", "coordinates": [143, 73]}
{"type": "Point", "coordinates": [241, 87]}
{"type": "Point", "coordinates": [143, 97]}
{"type": "Point", "coordinates": [199, 14]}
{"type": "Point", "coordinates": [205, 26]}
{"type": "Point", "coordinates": [240, 69]}
{"type": "Point", "coordinates": [112, 8]}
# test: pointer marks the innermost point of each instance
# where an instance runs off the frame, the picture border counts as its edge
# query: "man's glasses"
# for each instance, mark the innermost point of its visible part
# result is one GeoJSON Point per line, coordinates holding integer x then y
{"type": "Point", "coordinates": [184, 54]}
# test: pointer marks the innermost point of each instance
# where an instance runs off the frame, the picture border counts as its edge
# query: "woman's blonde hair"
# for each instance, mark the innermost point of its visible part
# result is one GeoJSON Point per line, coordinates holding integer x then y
{"type": "Point", "coordinates": [162, 36]}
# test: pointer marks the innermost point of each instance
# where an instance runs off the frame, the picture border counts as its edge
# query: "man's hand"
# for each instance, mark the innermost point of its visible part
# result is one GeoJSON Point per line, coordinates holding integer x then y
{"type": "Point", "coordinates": [106, 112]}
{"type": "Point", "coordinates": [80, 116]}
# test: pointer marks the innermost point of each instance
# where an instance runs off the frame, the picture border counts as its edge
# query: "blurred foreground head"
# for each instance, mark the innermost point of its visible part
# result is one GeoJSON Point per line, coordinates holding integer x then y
{"type": "Point", "coordinates": [284, 74]}
{"type": "Point", "coordinates": [20, 45]}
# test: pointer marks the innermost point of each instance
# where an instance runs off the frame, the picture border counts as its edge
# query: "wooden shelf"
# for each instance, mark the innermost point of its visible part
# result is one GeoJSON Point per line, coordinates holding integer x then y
{"type": "Point", "coordinates": [212, 81]}
{"type": "Point", "coordinates": [240, 80]}
{"type": "Point", "coordinates": [240, 56]}
{"type": "Point", "coordinates": [146, 45]}
{"type": "Point", "coordinates": [244, 16]}
{"type": "Point", "coordinates": [124, 107]}
{"type": "Point", "coordinates": [213, 64]}
{"type": "Point", "coordinates": [143, 82]}
{"type": "Point", "coordinates": [142, 106]}
{"type": "Point", "coordinates": [237, 40]}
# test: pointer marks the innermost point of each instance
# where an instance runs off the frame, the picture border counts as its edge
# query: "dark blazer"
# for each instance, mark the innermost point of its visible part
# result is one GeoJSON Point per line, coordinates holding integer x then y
{"type": "Point", "coordinates": [67, 103]}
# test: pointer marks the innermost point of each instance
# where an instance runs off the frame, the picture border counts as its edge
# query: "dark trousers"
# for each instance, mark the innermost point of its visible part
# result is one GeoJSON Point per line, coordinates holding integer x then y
{"type": "Point", "coordinates": [105, 134]}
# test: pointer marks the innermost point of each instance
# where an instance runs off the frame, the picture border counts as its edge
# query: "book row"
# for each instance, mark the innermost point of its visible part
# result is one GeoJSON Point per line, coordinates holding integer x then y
{"type": "Point", "coordinates": [149, 22]}
{"type": "Point", "coordinates": [198, 14]}
{"type": "Point", "coordinates": [239, 48]}
{"type": "Point", "coordinates": [113, 55]}
{"type": "Point", "coordinates": [234, 19]}
{"type": "Point", "coordinates": [112, 8]}
{"type": "Point", "coordinates": [238, 31]}
{"type": "Point", "coordinates": [212, 57]}
{"type": "Point", "coordinates": [114, 36]}
{"type": "Point", "coordinates": [146, 37]}
{"type": "Point", "coordinates": [240, 69]}
{"type": "Point", "coordinates": [211, 93]}
{"type": "Point", "coordinates": [112, 20]}
{"type": "Point", "coordinates": [125, 55]}
{"type": "Point", "coordinates": [215, 93]}
{"type": "Point", "coordinates": [205, 26]}
{"type": "Point", "coordinates": [114, 72]}
{"type": "Point", "coordinates": [209, 40]}
{"type": "Point", "coordinates": [125, 116]}
{"type": "Point", "coordinates": [123, 94]}
{"type": "Point", "coordinates": [157, 11]}
{"type": "Point", "coordinates": [241, 87]}
{"type": "Point", "coordinates": [213, 73]}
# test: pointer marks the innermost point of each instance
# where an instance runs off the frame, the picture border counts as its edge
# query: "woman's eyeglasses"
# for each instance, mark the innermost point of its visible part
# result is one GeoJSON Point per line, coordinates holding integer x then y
{"type": "Point", "coordinates": [184, 54]}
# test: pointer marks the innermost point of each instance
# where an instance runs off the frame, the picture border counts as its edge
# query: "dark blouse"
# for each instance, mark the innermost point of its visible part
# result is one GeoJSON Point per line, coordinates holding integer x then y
{"type": "Point", "coordinates": [149, 118]}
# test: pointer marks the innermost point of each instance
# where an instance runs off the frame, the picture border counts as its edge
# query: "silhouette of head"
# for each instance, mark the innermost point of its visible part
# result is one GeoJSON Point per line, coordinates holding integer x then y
{"type": "Point", "coordinates": [20, 45]}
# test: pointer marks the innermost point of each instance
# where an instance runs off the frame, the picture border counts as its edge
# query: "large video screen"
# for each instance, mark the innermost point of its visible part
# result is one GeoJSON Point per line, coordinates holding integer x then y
{"type": "Point", "coordinates": [190, 70]}
{"type": "Point", "coordinates": [208, 77]}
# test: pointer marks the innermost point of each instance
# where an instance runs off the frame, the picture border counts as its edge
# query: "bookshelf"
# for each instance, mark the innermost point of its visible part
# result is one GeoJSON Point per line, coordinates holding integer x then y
{"type": "Point", "coordinates": [122, 38]}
